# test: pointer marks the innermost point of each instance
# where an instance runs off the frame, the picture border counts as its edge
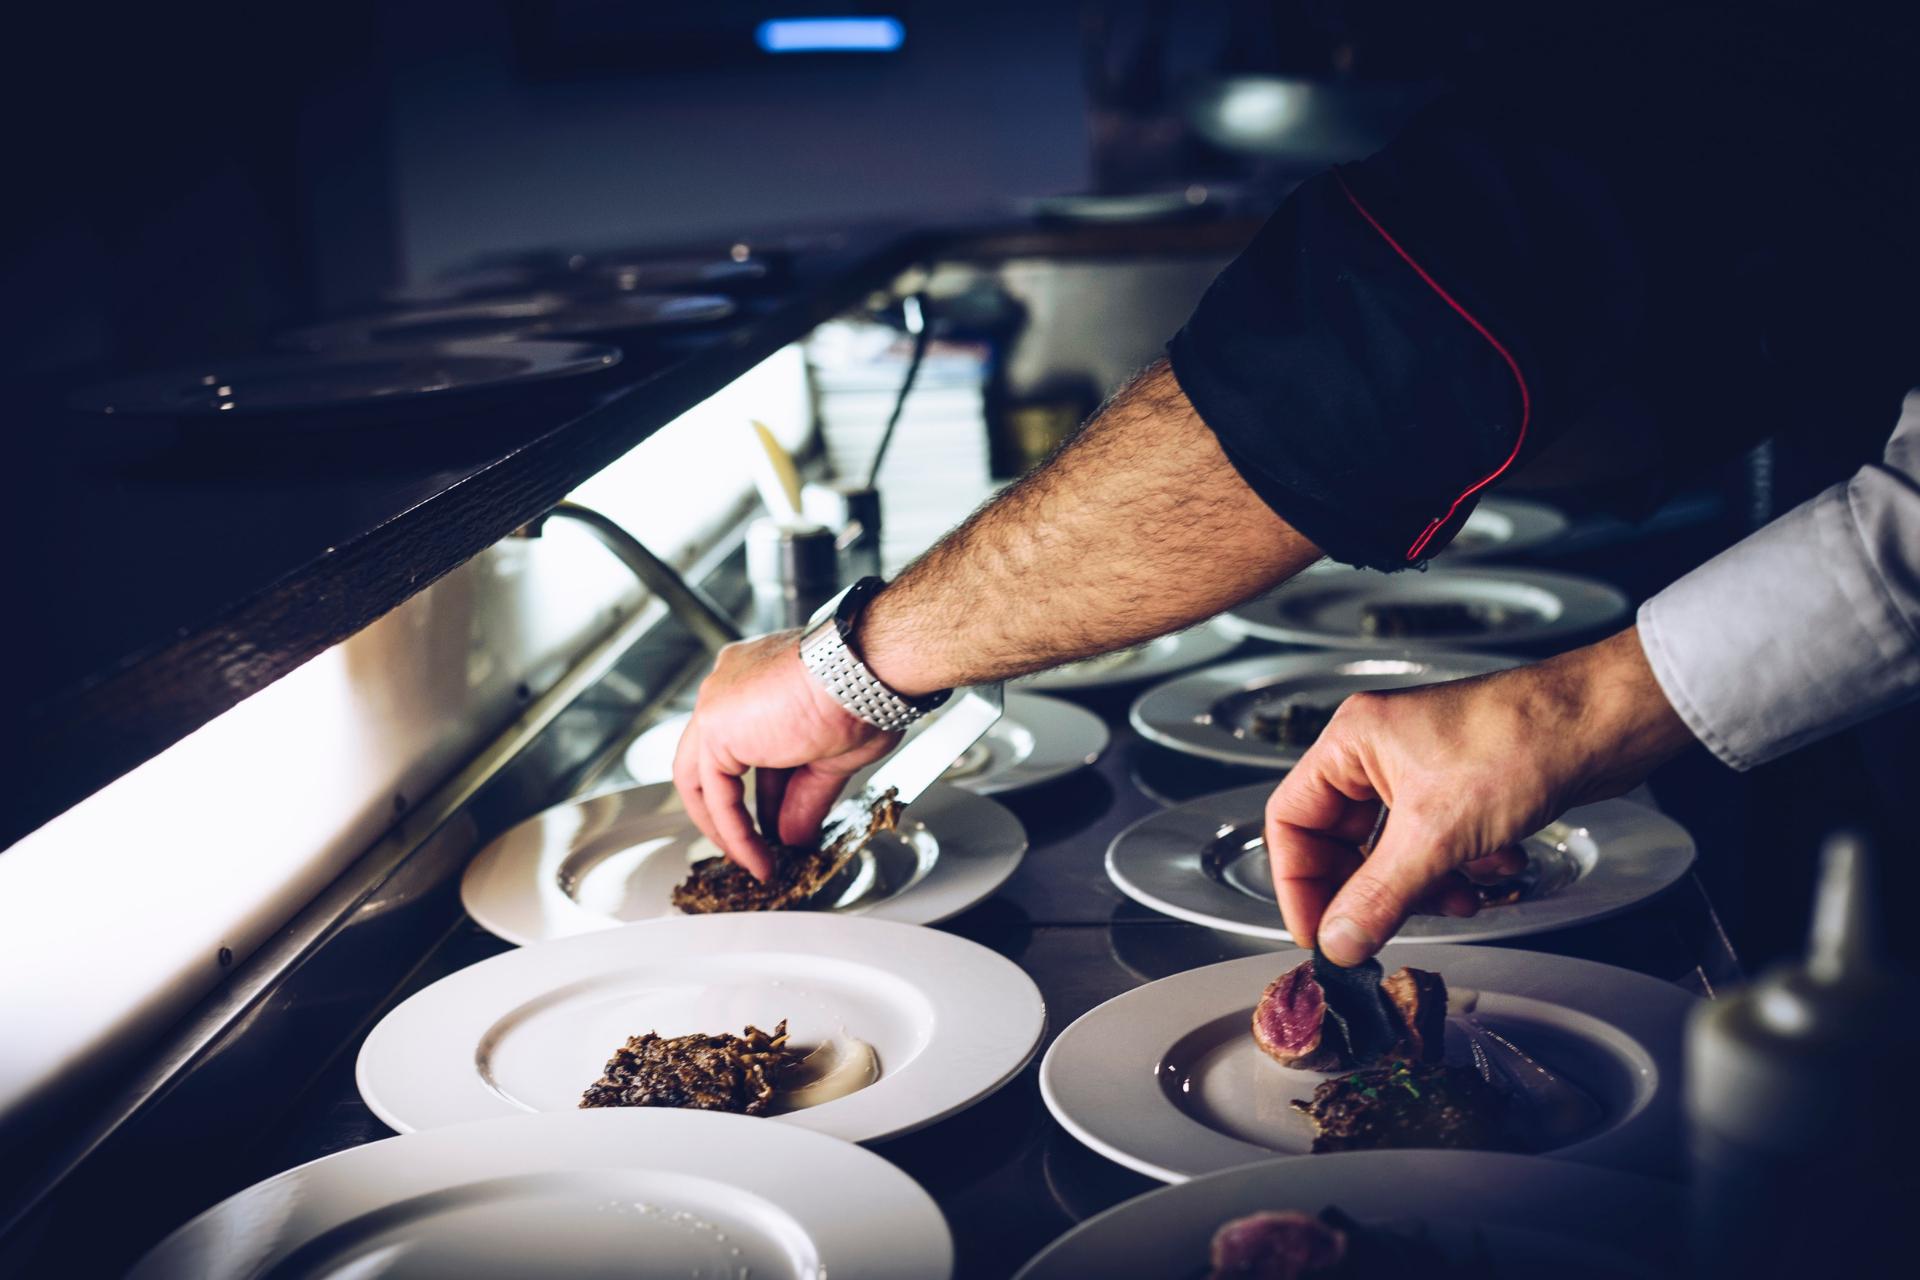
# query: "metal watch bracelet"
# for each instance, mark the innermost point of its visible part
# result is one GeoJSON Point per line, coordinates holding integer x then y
{"type": "Point", "coordinates": [827, 652]}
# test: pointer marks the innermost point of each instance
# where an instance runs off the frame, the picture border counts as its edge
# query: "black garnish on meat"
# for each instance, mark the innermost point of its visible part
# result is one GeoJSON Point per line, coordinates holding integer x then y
{"type": "Point", "coordinates": [1360, 1013]}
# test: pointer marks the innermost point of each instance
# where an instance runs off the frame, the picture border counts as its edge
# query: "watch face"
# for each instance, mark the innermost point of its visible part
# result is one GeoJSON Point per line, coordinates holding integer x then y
{"type": "Point", "coordinates": [852, 602]}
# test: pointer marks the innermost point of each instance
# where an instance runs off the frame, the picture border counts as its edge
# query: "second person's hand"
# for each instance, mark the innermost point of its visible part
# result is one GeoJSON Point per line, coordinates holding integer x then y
{"type": "Point", "coordinates": [1467, 770]}
{"type": "Point", "coordinates": [762, 710]}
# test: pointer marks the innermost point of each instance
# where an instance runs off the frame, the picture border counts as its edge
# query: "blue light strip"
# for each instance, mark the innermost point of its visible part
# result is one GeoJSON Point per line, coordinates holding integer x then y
{"type": "Point", "coordinates": [830, 35]}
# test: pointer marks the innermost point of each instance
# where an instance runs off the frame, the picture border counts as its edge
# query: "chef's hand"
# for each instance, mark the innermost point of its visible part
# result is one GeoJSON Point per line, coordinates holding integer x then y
{"type": "Point", "coordinates": [1467, 770]}
{"type": "Point", "coordinates": [761, 709]}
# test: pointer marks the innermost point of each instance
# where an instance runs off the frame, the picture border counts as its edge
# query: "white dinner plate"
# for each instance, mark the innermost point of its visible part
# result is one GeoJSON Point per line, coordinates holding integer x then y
{"type": "Point", "coordinates": [1534, 1217]}
{"type": "Point", "coordinates": [1211, 712]}
{"type": "Point", "coordinates": [614, 858]}
{"type": "Point", "coordinates": [1167, 1080]}
{"type": "Point", "coordinates": [592, 1194]}
{"type": "Point", "coordinates": [1501, 526]}
{"type": "Point", "coordinates": [1205, 862]}
{"type": "Point", "coordinates": [1035, 741]}
{"type": "Point", "coordinates": [1324, 608]}
{"type": "Point", "coordinates": [948, 1020]}
{"type": "Point", "coordinates": [1164, 656]}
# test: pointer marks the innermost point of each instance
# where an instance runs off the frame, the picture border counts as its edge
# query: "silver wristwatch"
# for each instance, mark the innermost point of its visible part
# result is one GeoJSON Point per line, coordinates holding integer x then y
{"type": "Point", "coordinates": [827, 649]}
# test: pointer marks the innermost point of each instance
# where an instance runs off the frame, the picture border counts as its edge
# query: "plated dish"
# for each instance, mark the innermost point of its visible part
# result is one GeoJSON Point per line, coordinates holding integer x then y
{"type": "Point", "coordinates": [574, 1195]}
{"type": "Point", "coordinates": [1517, 1215]}
{"type": "Point", "coordinates": [1172, 1081]}
{"type": "Point", "coordinates": [353, 379]}
{"type": "Point", "coordinates": [911, 1024]}
{"type": "Point", "coordinates": [1037, 740]}
{"type": "Point", "coordinates": [1457, 607]}
{"type": "Point", "coordinates": [1265, 712]}
{"type": "Point", "coordinates": [1206, 862]}
{"type": "Point", "coordinates": [1164, 656]}
{"type": "Point", "coordinates": [617, 857]}
{"type": "Point", "coordinates": [516, 316]}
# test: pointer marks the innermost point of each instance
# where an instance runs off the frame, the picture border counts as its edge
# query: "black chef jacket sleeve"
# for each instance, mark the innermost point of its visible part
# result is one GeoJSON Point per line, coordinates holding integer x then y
{"type": "Point", "coordinates": [1406, 331]}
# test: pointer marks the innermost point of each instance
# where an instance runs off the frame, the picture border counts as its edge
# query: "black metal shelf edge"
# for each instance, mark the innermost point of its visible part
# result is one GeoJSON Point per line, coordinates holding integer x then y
{"type": "Point", "coordinates": [76, 735]}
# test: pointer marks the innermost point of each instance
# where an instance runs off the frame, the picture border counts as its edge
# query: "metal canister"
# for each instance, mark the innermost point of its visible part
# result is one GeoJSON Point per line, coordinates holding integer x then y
{"type": "Point", "coordinates": [793, 570]}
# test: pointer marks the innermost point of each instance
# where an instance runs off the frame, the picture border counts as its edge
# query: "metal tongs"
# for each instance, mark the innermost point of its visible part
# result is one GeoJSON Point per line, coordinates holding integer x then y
{"type": "Point", "coordinates": [919, 763]}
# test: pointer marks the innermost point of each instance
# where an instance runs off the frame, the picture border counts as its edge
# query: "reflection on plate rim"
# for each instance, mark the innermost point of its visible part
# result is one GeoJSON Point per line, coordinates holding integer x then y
{"type": "Point", "coordinates": [1197, 692]}
{"type": "Point", "coordinates": [1672, 855]}
{"type": "Point", "coordinates": [1076, 737]}
{"type": "Point", "coordinates": [1203, 642]}
{"type": "Point", "coordinates": [620, 1141]}
{"type": "Point", "coordinates": [1534, 524]}
{"type": "Point", "coordinates": [1587, 603]}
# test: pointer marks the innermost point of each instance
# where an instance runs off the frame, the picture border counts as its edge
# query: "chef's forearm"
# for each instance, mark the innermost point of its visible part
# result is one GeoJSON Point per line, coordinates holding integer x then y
{"type": "Point", "coordinates": [1138, 527]}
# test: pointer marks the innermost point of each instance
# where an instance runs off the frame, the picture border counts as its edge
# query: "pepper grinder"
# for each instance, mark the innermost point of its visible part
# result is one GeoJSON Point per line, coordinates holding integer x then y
{"type": "Point", "coordinates": [1796, 1111]}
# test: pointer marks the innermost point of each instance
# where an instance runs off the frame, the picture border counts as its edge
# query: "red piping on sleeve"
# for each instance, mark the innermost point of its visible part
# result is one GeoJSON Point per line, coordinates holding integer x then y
{"type": "Point", "coordinates": [1526, 399]}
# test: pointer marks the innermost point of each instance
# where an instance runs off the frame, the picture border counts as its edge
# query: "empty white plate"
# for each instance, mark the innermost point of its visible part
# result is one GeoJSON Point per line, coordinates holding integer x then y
{"type": "Point", "coordinates": [1213, 713]}
{"type": "Point", "coordinates": [1167, 1080]}
{"type": "Point", "coordinates": [1205, 861]}
{"type": "Point", "coordinates": [1533, 1217]}
{"type": "Point", "coordinates": [1036, 740]}
{"type": "Point", "coordinates": [614, 858]}
{"type": "Point", "coordinates": [1523, 606]}
{"type": "Point", "coordinates": [593, 1194]}
{"type": "Point", "coordinates": [1160, 657]}
{"type": "Point", "coordinates": [948, 1020]}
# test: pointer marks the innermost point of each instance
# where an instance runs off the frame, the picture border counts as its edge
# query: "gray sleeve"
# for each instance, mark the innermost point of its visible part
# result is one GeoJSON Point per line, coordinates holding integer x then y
{"type": "Point", "coordinates": [1807, 627]}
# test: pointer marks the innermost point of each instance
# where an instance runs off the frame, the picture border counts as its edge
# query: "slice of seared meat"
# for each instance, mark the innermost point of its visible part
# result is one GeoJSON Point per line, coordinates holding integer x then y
{"type": "Point", "coordinates": [705, 1073]}
{"type": "Point", "coordinates": [1290, 1023]}
{"type": "Point", "coordinates": [1393, 619]}
{"type": "Point", "coordinates": [1276, 1245]}
{"type": "Point", "coordinates": [1419, 999]}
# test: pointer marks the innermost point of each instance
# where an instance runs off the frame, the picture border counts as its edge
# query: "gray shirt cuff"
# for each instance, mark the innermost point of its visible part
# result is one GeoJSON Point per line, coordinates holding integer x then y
{"type": "Point", "coordinates": [1803, 629]}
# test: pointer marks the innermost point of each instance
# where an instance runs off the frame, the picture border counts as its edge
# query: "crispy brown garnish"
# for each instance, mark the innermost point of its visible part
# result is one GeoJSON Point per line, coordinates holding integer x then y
{"type": "Point", "coordinates": [702, 1072]}
{"type": "Point", "coordinates": [1420, 998]}
{"type": "Point", "coordinates": [1409, 1105]}
{"type": "Point", "coordinates": [715, 884]}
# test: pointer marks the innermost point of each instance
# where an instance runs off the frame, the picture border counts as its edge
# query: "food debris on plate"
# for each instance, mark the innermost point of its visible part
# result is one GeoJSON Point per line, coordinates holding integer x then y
{"type": "Point", "coordinates": [1394, 620]}
{"type": "Point", "coordinates": [701, 1072]}
{"type": "Point", "coordinates": [1291, 724]}
{"type": "Point", "coordinates": [715, 884]}
{"type": "Point", "coordinates": [754, 1073]}
{"type": "Point", "coordinates": [1406, 1104]}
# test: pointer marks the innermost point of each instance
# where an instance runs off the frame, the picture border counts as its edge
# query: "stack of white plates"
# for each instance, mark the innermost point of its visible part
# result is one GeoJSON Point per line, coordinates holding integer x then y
{"type": "Point", "coordinates": [937, 468]}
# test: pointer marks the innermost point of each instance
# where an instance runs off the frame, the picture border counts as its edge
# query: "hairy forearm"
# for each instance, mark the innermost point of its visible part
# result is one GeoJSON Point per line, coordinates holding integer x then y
{"type": "Point", "coordinates": [1137, 527]}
